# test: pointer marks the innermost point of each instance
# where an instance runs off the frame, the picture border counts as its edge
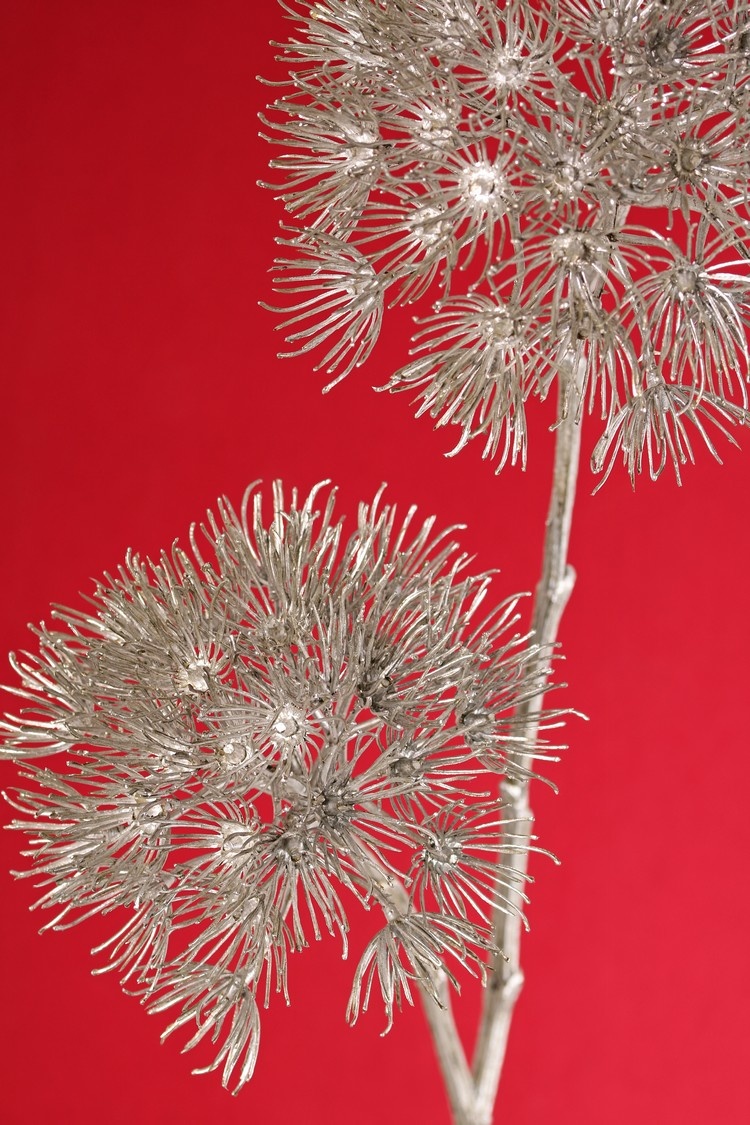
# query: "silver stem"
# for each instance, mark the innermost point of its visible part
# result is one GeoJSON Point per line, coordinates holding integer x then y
{"type": "Point", "coordinates": [552, 593]}
{"type": "Point", "coordinates": [457, 1076]}
{"type": "Point", "coordinates": [451, 1056]}
{"type": "Point", "coordinates": [553, 590]}
{"type": "Point", "coordinates": [472, 1102]}
{"type": "Point", "coordinates": [472, 1094]}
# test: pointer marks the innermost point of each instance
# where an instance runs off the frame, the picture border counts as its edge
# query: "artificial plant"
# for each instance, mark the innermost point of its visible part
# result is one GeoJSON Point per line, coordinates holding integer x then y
{"type": "Point", "coordinates": [504, 161]}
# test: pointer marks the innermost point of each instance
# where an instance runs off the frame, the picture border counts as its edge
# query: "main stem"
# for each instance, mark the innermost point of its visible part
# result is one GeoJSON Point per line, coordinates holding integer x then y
{"type": "Point", "coordinates": [553, 590]}
{"type": "Point", "coordinates": [472, 1093]}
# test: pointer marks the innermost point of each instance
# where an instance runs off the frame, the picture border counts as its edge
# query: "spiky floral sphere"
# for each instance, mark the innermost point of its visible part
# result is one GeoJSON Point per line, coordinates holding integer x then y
{"type": "Point", "coordinates": [254, 737]}
{"type": "Point", "coordinates": [567, 180]}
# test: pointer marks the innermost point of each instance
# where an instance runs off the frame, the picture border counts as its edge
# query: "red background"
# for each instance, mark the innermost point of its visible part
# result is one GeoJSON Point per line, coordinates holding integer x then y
{"type": "Point", "coordinates": [139, 383]}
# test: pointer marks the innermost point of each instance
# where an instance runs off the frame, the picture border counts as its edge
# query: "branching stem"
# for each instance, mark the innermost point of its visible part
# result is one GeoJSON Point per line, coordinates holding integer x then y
{"type": "Point", "coordinates": [473, 1095]}
{"type": "Point", "coordinates": [552, 593]}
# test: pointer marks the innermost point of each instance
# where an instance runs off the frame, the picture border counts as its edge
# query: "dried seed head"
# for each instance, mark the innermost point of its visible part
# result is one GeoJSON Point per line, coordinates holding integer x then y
{"type": "Point", "coordinates": [224, 800]}
{"type": "Point", "coordinates": [505, 145]}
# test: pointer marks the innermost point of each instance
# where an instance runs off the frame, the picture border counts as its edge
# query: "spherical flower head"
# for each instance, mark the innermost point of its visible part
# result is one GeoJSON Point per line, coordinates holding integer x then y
{"type": "Point", "coordinates": [528, 154]}
{"type": "Point", "coordinates": [251, 734]}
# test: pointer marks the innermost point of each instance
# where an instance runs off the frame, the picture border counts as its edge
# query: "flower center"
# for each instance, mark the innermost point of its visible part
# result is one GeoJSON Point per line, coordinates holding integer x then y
{"type": "Point", "coordinates": [481, 185]}
{"type": "Point", "coordinates": [507, 70]}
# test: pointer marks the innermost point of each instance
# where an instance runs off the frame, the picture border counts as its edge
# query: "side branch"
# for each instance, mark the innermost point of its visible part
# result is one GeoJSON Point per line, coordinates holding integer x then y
{"type": "Point", "coordinates": [449, 1050]}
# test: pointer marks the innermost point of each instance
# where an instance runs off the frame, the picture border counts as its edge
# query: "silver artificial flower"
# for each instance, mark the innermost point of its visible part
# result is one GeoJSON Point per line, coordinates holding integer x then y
{"type": "Point", "coordinates": [253, 736]}
{"type": "Point", "coordinates": [555, 158]}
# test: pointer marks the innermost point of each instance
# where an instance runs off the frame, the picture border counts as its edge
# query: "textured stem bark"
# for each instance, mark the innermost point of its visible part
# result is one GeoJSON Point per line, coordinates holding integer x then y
{"type": "Point", "coordinates": [552, 593]}
{"type": "Point", "coordinates": [553, 590]}
{"type": "Point", "coordinates": [472, 1093]}
{"type": "Point", "coordinates": [457, 1076]}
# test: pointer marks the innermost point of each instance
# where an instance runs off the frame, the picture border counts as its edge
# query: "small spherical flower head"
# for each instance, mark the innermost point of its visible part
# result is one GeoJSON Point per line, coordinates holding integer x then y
{"type": "Point", "coordinates": [591, 354]}
{"type": "Point", "coordinates": [420, 240]}
{"type": "Point", "coordinates": [478, 358]}
{"type": "Point", "coordinates": [507, 60]}
{"type": "Point", "coordinates": [340, 307]}
{"type": "Point", "coordinates": [697, 160]}
{"type": "Point", "coordinates": [654, 427]}
{"type": "Point", "coordinates": [576, 268]}
{"type": "Point", "coordinates": [568, 169]}
{"type": "Point", "coordinates": [352, 42]}
{"type": "Point", "coordinates": [423, 128]}
{"type": "Point", "coordinates": [255, 733]}
{"type": "Point", "coordinates": [601, 23]}
{"type": "Point", "coordinates": [700, 294]}
{"type": "Point", "coordinates": [477, 191]}
{"type": "Point", "coordinates": [337, 160]}
{"type": "Point", "coordinates": [673, 47]}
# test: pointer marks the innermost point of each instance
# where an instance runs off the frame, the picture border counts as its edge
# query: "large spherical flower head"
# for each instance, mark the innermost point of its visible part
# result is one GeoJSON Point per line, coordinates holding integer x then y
{"type": "Point", "coordinates": [262, 731]}
{"type": "Point", "coordinates": [487, 155]}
